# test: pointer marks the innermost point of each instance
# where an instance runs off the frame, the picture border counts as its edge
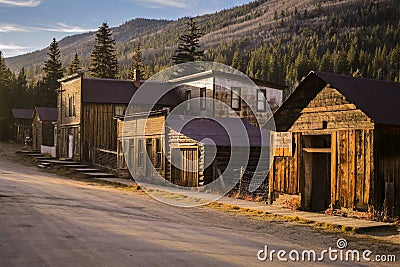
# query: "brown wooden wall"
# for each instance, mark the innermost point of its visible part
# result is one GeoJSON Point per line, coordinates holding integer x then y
{"type": "Point", "coordinates": [148, 130]}
{"type": "Point", "coordinates": [99, 127]}
{"type": "Point", "coordinates": [351, 150]}
{"type": "Point", "coordinates": [352, 168]}
{"type": "Point", "coordinates": [285, 171]}
{"type": "Point", "coordinates": [387, 169]}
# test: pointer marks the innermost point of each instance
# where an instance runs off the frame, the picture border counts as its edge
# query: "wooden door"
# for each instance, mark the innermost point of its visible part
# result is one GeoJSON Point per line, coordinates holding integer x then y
{"type": "Point", "coordinates": [186, 171]}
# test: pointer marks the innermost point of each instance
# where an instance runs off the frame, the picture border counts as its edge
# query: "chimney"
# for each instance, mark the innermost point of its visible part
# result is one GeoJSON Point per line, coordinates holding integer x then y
{"type": "Point", "coordinates": [136, 77]}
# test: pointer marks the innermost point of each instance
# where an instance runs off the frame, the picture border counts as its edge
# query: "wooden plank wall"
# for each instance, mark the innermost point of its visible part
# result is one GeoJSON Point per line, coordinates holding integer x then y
{"type": "Point", "coordinates": [99, 127]}
{"type": "Point", "coordinates": [387, 168]}
{"type": "Point", "coordinates": [145, 129]}
{"type": "Point", "coordinates": [285, 171]}
{"type": "Point", "coordinates": [352, 168]}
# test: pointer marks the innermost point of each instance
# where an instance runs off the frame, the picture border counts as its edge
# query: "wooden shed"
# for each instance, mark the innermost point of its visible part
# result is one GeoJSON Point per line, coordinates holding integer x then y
{"type": "Point", "coordinates": [43, 127]}
{"type": "Point", "coordinates": [338, 144]}
{"type": "Point", "coordinates": [23, 123]}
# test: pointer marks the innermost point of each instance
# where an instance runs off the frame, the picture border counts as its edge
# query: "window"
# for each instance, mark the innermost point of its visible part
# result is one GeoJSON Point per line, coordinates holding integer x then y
{"type": "Point", "coordinates": [261, 100]}
{"type": "Point", "coordinates": [70, 109]}
{"type": "Point", "coordinates": [140, 152]}
{"type": "Point", "coordinates": [235, 98]}
{"type": "Point", "coordinates": [67, 106]}
{"type": "Point", "coordinates": [202, 98]}
{"type": "Point", "coordinates": [188, 96]}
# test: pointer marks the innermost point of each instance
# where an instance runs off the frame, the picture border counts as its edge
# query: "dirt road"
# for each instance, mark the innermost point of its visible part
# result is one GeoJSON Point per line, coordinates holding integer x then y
{"type": "Point", "coordinates": [47, 220]}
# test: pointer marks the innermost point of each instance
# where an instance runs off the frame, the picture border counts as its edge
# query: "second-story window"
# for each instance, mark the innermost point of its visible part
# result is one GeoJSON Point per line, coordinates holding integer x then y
{"type": "Point", "coordinates": [203, 98]}
{"type": "Point", "coordinates": [261, 100]}
{"type": "Point", "coordinates": [235, 98]}
{"type": "Point", "coordinates": [70, 107]}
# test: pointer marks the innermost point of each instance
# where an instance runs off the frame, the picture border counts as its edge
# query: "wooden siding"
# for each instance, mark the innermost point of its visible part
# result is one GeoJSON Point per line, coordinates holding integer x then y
{"type": "Point", "coordinates": [329, 111]}
{"type": "Point", "coordinates": [285, 171]}
{"type": "Point", "coordinates": [176, 141]}
{"type": "Point", "coordinates": [350, 146]}
{"type": "Point", "coordinates": [148, 131]}
{"type": "Point", "coordinates": [99, 127]}
{"type": "Point", "coordinates": [387, 170]}
{"type": "Point", "coordinates": [352, 168]}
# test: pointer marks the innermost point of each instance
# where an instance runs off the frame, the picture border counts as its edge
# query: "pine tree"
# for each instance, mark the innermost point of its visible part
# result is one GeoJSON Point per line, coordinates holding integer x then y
{"type": "Point", "coordinates": [52, 67]}
{"type": "Point", "coordinates": [75, 66]}
{"type": "Point", "coordinates": [137, 61]}
{"type": "Point", "coordinates": [189, 48]}
{"type": "Point", "coordinates": [104, 62]}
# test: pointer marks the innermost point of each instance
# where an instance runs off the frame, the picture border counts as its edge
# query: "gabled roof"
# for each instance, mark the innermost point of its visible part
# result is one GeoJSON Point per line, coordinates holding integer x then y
{"type": "Point", "coordinates": [110, 91]}
{"type": "Point", "coordinates": [378, 99]}
{"type": "Point", "coordinates": [46, 114]}
{"type": "Point", "coordinates": [19, 113]}
{"type": "Point", "coordinates": [222, 131]}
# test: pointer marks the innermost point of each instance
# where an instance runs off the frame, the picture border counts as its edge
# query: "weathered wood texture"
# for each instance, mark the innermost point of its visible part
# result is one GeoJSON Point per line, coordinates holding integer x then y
{"type": "Point", "coordinates": [352, 168]}
{"type": "Point", "coordinates": [387, 169]}
{"type": "Point", "coordinates": [351, 149]}
{"type": "Point", "coordinates": [285, 171]}
{"type": "Point", "coordinates": [144, 141]}
{"type": "Point", "coordinates": [99, 127]}
{"type": "Point", "coordinates": [329, 111]}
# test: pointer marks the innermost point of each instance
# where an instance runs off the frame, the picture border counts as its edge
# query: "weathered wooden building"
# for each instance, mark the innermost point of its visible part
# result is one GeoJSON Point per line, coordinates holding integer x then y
{"type": "Point", "coordinates": [235, 96]}
{"type": "Point", "coordinates": [87, 129]}
{"type": "Point", "coordinates": [43, 127]}
{"type": "Point", "coordinates": [177, 148]}
{"type": "Point", "coordinates": [23, 123]}
{"type": "Point", "coordinates": [344, 144]}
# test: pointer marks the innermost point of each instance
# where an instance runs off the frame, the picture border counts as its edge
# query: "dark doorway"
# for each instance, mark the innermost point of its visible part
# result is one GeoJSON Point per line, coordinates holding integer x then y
{"type": "Point", "coordinates": [317, 171]}
{"type": "Point", "coordinates": [321, 181]}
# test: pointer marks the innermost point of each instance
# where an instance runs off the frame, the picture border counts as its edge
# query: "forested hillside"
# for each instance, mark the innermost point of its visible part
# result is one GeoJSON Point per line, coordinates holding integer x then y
{"type": "Point", "coordinates": [274, 40]}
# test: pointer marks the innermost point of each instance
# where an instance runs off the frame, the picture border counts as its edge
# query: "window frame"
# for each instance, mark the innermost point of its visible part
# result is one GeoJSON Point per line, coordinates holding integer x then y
{"type": "Point", "coordinates": [236, 92]}
{"type": "Point", "coordinates": [264, 99]}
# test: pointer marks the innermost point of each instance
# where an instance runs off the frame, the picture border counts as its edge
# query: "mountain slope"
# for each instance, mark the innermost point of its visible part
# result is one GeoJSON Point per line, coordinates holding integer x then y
{"type": "Point", "coordinates": [274, 40]}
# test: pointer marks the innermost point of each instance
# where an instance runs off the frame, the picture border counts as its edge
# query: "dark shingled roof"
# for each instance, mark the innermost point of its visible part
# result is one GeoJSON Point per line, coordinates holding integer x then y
{"type": "Point", "coordinates": [19, 113]}
{"type": "Point", "coordinates": [107, 91]}
{"type": "Point", "coordinates": [222, 131]}
{"type": "Point", "coordinates": [47, 114]}
{"type": "Point", "coordinates": [113, 91]}
{"type": "Point", "coordinates": [378, 99]}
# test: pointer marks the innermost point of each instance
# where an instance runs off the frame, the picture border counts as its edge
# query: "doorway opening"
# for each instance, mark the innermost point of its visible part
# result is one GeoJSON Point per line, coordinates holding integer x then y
{"type": "Point", "coordinates": [317, 171]}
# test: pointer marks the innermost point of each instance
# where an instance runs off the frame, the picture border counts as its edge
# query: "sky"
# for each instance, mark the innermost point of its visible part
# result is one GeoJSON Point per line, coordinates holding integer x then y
{"type": "Point", "coordinates": [29, 25]}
